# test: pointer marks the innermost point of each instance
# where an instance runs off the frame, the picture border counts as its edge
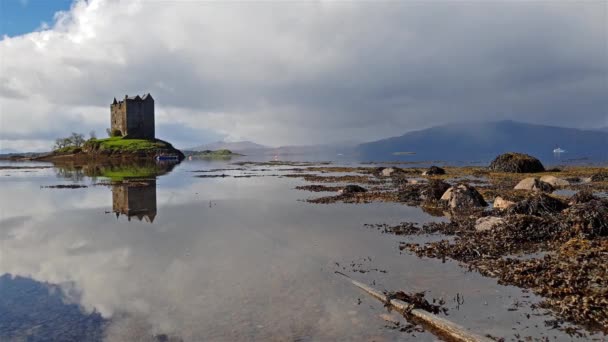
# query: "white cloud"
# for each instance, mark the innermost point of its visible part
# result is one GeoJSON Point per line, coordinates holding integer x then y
{"type": "Point", "coordinates": [282, 73]}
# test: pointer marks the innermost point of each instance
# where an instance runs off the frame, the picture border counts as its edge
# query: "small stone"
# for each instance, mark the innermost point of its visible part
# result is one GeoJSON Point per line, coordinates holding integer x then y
{"type": "Point", "coordinates": [501, 203]}
{"type": "Point", "coordinates": [351, 189]}
{"type": "Point", "coordinates": [533, 184]}
{"type": "Point", "coordinates": [389, 171]}
{"type": "Point", "coordinates": [488, 223]}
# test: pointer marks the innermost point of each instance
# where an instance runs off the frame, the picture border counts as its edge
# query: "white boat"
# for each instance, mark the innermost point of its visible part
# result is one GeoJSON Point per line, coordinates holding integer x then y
{"type": "Point", "coordinates": [559, 150]}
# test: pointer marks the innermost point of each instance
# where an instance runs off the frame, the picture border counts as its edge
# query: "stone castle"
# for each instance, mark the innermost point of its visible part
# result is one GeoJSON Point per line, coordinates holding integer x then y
{"type": "Point", "coordinates": [133, 117]}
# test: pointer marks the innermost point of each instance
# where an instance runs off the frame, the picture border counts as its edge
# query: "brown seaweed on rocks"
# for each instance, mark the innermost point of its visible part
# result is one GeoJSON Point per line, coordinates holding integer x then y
{"type": "Point", "coordinates": [582, 196]}
{"type": "Point", "coordinates": [600, 177]}
{"type": "Point", "coordinates": [538, 204]}
{"type": "Point", "coordinates": [573, 281]}
{"type": "Point", "coordinates": [433, 190]}
{"type": "Point", "coordinates": [318, 188]}
{"type": "Point", "coordinates": [516, 163]}
{"type": "Point", "coordinates": [588, 219]}
{"type": "Point", "coordinates": [572, 274]}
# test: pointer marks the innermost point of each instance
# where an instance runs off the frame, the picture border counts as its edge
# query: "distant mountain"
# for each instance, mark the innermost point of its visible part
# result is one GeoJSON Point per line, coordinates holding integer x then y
{"type": "Point", "coordinates": [483, 141]}
{"type": "Point", "coordinates": [236, 146]}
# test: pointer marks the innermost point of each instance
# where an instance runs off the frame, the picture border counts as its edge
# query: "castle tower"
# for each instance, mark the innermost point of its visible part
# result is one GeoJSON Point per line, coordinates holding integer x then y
{"type": "Point", "coordinates": [133, 117]}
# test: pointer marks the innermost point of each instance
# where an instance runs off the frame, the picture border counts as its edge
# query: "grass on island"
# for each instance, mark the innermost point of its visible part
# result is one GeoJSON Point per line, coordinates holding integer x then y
{"type": "Point", "coordinates": [116, 144]}
{"type": "Point", "coordinates": [122, 144]}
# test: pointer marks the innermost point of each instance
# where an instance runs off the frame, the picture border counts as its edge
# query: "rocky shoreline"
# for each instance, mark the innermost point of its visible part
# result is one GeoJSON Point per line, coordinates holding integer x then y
{"type": "Point", "coordinates": [543, 230]}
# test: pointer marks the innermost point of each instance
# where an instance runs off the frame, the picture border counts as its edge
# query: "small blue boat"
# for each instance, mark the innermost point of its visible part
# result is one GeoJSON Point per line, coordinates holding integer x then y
{"type": "Point", "coordinates": [167, 158]}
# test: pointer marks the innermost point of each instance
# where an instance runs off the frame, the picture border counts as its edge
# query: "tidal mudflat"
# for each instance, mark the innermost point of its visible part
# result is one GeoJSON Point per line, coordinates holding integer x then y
{"type": "Point", "coordinates": [159, 254]}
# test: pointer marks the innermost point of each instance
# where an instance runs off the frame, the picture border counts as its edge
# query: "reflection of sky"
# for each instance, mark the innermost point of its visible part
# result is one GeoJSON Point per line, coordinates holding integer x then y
{"type": "Point", "coordinates": [227, 259]}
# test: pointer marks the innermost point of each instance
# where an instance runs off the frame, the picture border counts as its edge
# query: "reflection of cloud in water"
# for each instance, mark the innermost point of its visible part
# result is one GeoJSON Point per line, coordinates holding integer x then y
{"type": "Point", "coordinates": [239, 270]}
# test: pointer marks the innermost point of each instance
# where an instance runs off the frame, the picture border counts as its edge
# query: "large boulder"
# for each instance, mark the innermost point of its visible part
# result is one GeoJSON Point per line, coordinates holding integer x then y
{"type": "Point", "coordinates": [434, 190]}
{"type": "Point", "coordinates": [434, 171]}
{"type": "Point", "coordinates": [533, 184]}
{"type": "Point", "coordinates": [554, 181]}
{"type": "Point", "coordinates": [516, 163]}
{"type": "Point", "coordinates": [463, 196]}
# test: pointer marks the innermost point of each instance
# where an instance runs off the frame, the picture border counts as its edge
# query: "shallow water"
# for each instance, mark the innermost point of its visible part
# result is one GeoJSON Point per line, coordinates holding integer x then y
{"type": "Point", "coordinates": [221, 259]}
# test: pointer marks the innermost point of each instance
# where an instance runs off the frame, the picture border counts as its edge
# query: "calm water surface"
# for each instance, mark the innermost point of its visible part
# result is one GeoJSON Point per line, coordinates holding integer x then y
{"type": "Point", "coordinates": [218, 259]}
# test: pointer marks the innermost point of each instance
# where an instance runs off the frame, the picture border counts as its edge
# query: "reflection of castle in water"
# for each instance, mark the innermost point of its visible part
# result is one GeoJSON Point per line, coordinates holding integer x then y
{"type": "Point", "coordinates": [135, 200]}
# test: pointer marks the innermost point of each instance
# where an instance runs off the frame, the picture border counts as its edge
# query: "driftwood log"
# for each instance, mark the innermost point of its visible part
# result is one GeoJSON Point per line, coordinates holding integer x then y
{"type": "Point", "coordinates": [442, 325]}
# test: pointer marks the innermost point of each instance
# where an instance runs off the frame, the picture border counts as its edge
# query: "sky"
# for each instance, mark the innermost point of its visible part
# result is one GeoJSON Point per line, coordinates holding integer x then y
{"type": "Point", "coordinates": [281, 73]}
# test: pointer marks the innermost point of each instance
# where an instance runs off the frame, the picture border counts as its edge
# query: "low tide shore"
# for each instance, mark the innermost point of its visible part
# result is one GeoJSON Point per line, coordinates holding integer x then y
{"type": "Point", "coordinates": [543, 231]}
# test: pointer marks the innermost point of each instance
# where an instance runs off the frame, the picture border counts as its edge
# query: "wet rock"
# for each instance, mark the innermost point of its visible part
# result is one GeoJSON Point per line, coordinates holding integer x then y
{"type": "Point", "coordinates": [554, 181]}
{"type": "Point", "coordinates": [390, 171]}
{"type": "Point", "coordinates": [533, 184]}
{"type": "Point", "coordinates": [410, 194]}
{"type": "Point", "coordinates": [582, 196]}
{"type": "Point", "coordinates": [351, 189]}
{"type": "Point", "coordinates": [516, 163]}
{"type": "Point", "coordinates": [417, 300]}
{"type": "Point", "coordinates": [589, 219]}
{"type": "Point", "coordinates": [600, 177]}
{"type": "Point", "coordinates": [434, 190]}
{"type": "Point", "coordinates": [318, 188]}
{"type": "Point", "coordinates": [488, 223]}
{"type": "Point", "coordinates": [434, 171]}
{"type": "Point", "coordinates": [501, 203]}
{"type": "Point", "coordinates": [538, 205]}
{"type": "Point", "coordinates": [463, 196]}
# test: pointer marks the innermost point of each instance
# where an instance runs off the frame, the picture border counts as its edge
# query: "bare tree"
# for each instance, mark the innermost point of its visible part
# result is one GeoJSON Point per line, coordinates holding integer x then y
{"type": "Point", "coordinates": [77, 139]}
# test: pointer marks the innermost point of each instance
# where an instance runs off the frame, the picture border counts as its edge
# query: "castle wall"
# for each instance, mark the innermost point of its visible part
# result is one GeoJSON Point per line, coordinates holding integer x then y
{"type": "Point", "coordinates": [118, 118]}
{"type": "Point", "coordinates": [140, 119]}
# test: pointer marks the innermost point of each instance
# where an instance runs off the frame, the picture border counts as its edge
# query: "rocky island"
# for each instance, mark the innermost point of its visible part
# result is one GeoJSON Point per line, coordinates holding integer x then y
{"type": "Point", "coordinates": [213, 154]}
{"type": "Point", "coordinates": [113, 149]}
{"type": "Point", "coordinates": [132, 137]}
